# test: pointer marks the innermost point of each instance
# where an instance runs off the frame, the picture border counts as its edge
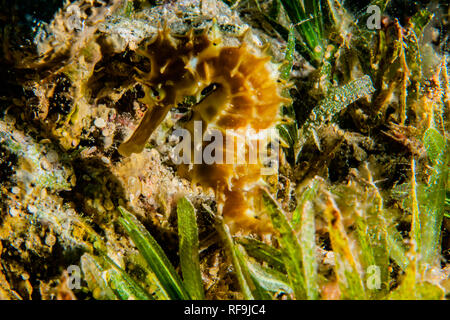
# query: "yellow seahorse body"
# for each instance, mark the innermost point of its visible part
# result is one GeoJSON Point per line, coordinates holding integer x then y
{"type": "Point", "coordinates": [246, 96]}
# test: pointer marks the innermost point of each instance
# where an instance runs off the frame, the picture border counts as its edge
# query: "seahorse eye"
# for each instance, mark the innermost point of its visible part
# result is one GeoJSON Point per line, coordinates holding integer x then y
{"type": "Point", "coordinates": [209, 89]}
{"type": "Point", "coordinates": [158, 94]}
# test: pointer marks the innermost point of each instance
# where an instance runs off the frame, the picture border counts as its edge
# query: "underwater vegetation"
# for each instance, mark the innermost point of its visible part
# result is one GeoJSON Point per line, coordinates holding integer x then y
{"type": "Point", "coordinates": [95, 204]}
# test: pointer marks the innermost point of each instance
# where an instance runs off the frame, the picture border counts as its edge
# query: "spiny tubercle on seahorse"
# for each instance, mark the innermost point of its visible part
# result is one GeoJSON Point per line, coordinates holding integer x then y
{"type": "Point", "coordinates": [247, 95]}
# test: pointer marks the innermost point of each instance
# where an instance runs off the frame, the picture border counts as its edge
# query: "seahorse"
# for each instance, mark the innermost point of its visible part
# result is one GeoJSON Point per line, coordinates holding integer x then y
{"type": "Point", "coordinates": [246, 97]}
